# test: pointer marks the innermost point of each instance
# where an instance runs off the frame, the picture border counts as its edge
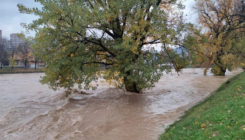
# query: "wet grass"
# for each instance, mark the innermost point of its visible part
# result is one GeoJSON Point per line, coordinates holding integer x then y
{"type": "Point", "coordinates": [219, 117]}
{"type": "Point", "coordinates": [8, 70]}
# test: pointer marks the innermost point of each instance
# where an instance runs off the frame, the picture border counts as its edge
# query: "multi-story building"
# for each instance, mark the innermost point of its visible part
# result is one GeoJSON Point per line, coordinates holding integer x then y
{"type": "Point", "coordinates": [15, 40]}
{"type": "Point", "coordinates": [6, 42]}
{"type": "Point", "coordinates": [0, 34]}
{"type": "Point", "coordinates": [8, 45]}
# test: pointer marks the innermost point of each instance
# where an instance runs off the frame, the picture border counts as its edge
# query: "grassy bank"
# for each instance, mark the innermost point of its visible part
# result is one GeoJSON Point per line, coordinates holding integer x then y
{"type": "Point", "coordinates": [7, 70]}
{"type": "Point", "coordinates": [219, 117]}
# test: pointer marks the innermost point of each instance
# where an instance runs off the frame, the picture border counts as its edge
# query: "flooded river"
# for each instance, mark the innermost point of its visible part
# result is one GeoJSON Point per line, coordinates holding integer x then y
{"type": "Point", "coordinates": [31, 111]}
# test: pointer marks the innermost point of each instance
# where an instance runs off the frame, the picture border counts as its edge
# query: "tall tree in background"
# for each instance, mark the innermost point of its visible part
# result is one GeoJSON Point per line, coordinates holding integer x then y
{"type": "Point", "coordinates": [223, 22]}
{"type": "Point", "coordinates": [74, 38]}
{"type": "Point", "coordinates": [36, 61]}
{"type": "Point", "coordinates": [24, 53]}
{"type": "Point", "coordinates": [3, 52]}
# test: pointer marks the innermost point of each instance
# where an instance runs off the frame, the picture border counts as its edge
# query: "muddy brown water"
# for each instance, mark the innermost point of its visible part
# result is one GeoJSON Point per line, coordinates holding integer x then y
{"type": "Point", "coordinates": [29, 110]}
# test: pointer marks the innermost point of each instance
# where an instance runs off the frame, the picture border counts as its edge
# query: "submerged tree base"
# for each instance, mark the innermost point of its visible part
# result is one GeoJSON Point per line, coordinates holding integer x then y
{"type": "Point", "coordinates": [218, 71]}
{"type": "Point", "coordinates": [243, 68]}
{"type": "Point", "coordinates": [131, 86]}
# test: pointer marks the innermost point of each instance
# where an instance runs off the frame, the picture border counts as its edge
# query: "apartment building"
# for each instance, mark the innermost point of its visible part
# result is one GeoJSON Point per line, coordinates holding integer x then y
{"type": "Point", "coordinates": [15, 40]}
{"type": "Point", "coordinates": [0, 34]}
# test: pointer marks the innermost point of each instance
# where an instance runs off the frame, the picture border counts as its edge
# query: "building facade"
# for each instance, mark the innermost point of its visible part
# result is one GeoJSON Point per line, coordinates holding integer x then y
{"type": "Point", "coordinates": [0, 34]}
{"type": "Point", "coordinates": [15, 40]}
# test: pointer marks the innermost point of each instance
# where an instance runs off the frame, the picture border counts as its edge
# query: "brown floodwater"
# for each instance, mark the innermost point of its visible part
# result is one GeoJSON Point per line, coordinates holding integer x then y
{"type": "Point", "coordinates": [29, 110]}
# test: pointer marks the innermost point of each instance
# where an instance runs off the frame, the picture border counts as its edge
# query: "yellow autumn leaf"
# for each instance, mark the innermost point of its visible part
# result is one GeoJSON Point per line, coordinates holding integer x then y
{"type": "Point", "coordinates": [134, 49]}
{"type": "Point", "coordinates": [203, 125]}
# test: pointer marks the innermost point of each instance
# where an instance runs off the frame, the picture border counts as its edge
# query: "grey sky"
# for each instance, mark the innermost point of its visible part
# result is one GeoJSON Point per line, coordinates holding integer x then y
{"type": "Point", "coordinates": [10, 18]}
{"type": "Point", "coordinates": [191, 14]}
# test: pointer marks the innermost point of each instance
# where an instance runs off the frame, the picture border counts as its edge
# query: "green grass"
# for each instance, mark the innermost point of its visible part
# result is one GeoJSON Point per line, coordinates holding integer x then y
{"type": "Point", "coordinates": [8, 70]}
{"type": "Point", "coordinates": [219, 117]}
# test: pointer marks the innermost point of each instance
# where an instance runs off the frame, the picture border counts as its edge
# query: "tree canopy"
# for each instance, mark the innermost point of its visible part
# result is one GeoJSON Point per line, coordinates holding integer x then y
{"type": "Point", "coordinates": [218, 41]}
{"type": "Point", "coordinates": [76, 38]}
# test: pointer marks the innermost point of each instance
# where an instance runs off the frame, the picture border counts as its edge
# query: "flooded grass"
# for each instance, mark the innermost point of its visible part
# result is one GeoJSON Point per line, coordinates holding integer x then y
{"type": "Point", "coordinates": [219, 117]}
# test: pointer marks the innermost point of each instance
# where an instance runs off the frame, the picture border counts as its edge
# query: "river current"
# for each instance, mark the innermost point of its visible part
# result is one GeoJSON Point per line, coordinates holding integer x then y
{"type": "Point", "coordinates": [30, 110]}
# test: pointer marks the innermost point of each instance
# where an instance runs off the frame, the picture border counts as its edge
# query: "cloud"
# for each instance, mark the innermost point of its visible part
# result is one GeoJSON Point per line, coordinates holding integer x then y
{"type": "Point", "coordinates": [189, 12]}
{"type": "Point", "coordinates": [10, 18]}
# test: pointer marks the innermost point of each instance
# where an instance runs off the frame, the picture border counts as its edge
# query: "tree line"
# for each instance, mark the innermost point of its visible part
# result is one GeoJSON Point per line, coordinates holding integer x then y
{"type": "Point", "coordinates": [10, 55]}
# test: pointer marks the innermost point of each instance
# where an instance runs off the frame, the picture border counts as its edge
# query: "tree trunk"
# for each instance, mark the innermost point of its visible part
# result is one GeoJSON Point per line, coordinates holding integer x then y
{"type": "Point", "coordinates": [218, 70]}
{"type": "Point", "coordinates": [1, 65]}
{"type": "Point", "coordinates": [35, 65]}
{"type": "Point", "coordinates": [205, 71]}
{"type": "Point", "coordinates": [130, 85]}
{"type": "Point", "coordinates": [25, 64]}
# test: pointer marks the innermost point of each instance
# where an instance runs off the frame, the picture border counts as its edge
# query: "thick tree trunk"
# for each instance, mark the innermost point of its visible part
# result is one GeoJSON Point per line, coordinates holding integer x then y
{"type": "Point", "coordinates": [35, 65]}
{"type": "Point", "coordinates": [221, 71]}
{"type": "Point", "coordinates": [205, 71]}
{"type": "Point", "coordinates": [1, 65]}
{"type": "Point", "coordinates": [130, 85]}
{"type": "Point", "coordinates": [218, 70]}
{"type": "Point", "coordinates": [25, 64]}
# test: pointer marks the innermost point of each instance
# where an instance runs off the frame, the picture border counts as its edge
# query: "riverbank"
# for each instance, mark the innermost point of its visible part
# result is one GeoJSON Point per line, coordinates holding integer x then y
{"type": "Point", "coordinates": [221, 116]}
{"type": "Point", "coordinates": [19, 70]}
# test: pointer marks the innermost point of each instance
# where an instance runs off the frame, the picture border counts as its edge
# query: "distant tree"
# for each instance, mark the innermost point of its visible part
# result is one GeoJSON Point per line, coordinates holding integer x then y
{"type": "Point", "coordinates": [3, 52]}
{"type": "Point", "coordinates": [222, 22]}
{"type": "Point", "coordinates": [34, 56]}
{"type": "Point", "coordinates": [12, 62]}
{"type": "Point", "coordinates": [24, 53]}
{"type": "Point", "coordinates": [74, 38]}
{"type": "Point", "coordinates": [35, 59]}
{"type": "Point", "coordinates": [13, 54]}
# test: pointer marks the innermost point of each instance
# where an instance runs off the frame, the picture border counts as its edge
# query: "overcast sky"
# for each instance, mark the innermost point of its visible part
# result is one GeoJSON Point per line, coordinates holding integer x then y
{"type": "Point", "coordinates": [10, 18]}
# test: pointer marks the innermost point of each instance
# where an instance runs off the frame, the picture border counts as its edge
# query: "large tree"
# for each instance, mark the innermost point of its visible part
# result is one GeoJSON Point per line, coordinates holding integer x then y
{"type": "Point", "coordinates": [222, 22]}
{"type": "Point", "coordinates": [75, 38]}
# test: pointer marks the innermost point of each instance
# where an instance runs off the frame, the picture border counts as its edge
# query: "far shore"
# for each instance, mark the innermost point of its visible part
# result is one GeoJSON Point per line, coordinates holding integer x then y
{"type": "Point", "coordinates": [19, 70]}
